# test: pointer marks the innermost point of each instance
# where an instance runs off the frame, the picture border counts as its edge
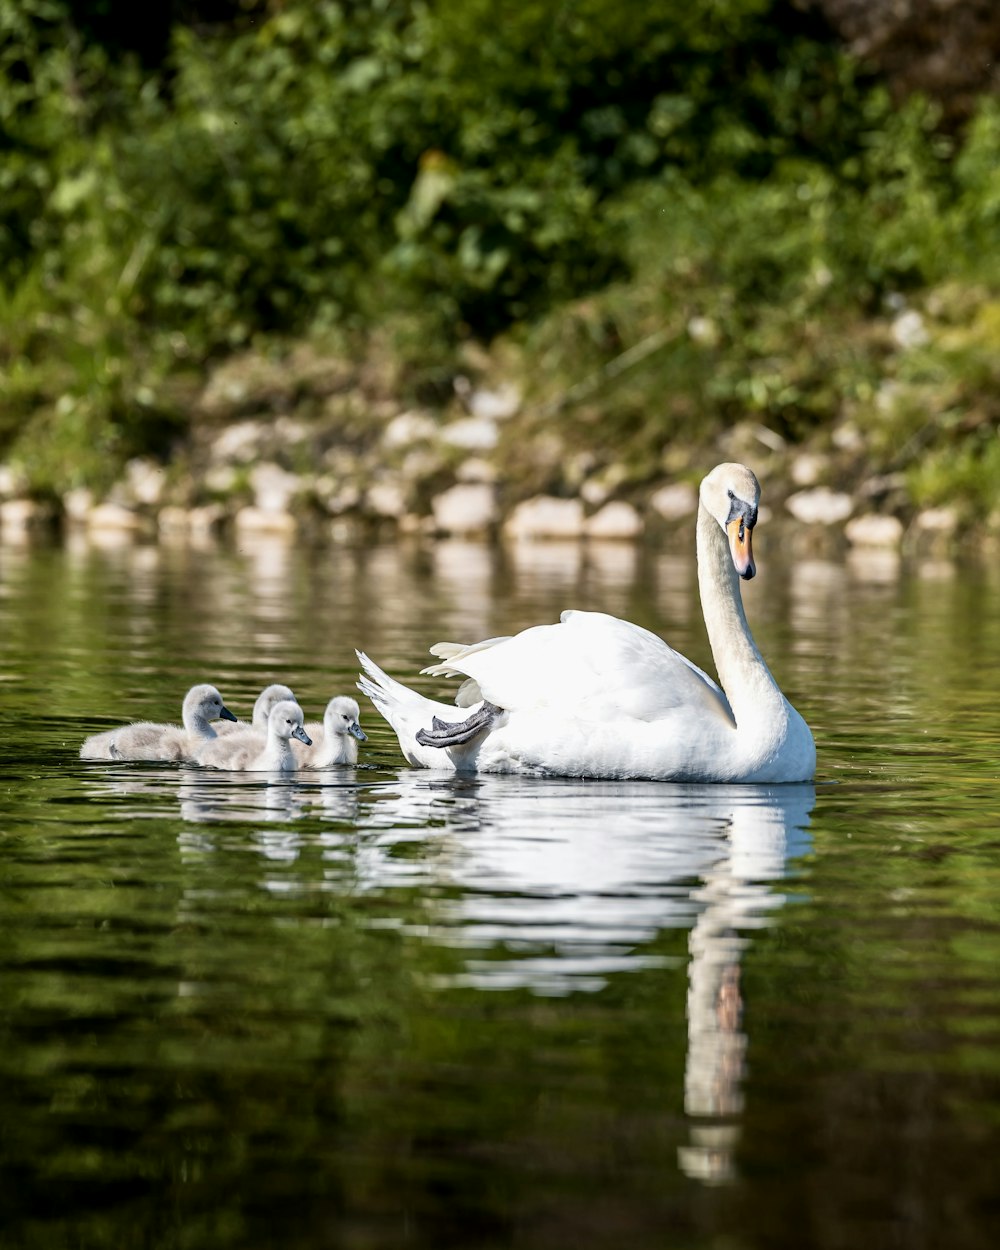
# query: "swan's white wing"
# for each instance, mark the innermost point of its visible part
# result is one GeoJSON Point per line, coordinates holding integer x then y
{"type": "Point", "coordinates": [589, 665]}
{"type": "Point", "coordinates": [468, 694]}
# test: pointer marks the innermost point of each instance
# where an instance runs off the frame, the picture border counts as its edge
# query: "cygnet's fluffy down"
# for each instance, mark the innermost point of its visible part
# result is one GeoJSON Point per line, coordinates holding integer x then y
{"type": "Point", "coordinates": [255, 753]}
{"type": "Point", "coordinates": [335, 741]}
{"type": "Point", "coordinates": [148, 740]}
{"type": "Point", "coordinates": [266, 700]}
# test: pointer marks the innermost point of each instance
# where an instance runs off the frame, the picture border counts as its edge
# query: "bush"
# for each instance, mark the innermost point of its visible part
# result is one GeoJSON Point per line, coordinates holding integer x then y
{"type": "Point", "coordinates": [461, 167]}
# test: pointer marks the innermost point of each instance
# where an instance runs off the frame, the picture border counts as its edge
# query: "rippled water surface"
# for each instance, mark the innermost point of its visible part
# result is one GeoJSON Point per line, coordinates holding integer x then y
{"type": "Point", "coordinates": [386, 1008]}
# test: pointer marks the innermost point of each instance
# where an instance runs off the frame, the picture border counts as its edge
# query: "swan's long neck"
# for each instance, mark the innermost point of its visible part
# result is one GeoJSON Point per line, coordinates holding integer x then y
{"type": "Point", "coordinates": [753, 693]}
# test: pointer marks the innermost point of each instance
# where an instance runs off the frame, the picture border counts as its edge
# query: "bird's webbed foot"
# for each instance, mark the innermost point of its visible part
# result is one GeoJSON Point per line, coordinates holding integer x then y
{"type": "Point", "coordinates": [442, 734]}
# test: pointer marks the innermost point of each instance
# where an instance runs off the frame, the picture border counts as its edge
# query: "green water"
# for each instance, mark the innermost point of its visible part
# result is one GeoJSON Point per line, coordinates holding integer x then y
{"type": "Point", "coordinates": [396, 1009]}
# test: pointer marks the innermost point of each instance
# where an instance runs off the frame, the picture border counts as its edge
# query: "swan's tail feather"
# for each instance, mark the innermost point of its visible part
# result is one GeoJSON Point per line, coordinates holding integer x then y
{"type": "Point", "coordinates": [407, 712]}
{"type": "Point", "coordinates": [383, 690]}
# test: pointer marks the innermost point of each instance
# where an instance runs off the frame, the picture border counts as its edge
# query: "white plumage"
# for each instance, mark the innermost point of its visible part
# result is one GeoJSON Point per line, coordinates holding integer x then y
{"type": "Point", "coordinates": [149, 740]}
{"type": "Point", "coordinates": [252, 752]}
{"type": "Point", "coordinates": [266, 700]}
{"type": "Point", "coordinates": [335, 740]}
{"type": "Point", "coordinates": [596, 696]}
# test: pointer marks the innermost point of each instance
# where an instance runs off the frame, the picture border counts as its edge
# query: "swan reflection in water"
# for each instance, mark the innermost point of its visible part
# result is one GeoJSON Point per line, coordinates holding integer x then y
{"type": "Point", "coordinates": [573, 880]}
{"type": "Point", "coordinates": [554, 886]}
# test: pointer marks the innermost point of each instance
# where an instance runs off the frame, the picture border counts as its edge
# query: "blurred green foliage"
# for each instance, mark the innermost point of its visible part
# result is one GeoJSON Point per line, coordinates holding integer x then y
{"type": "Point", "coordinates": [461, 167]}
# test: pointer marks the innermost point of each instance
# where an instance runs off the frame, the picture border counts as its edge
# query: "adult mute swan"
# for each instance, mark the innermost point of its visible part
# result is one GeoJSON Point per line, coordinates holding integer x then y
{"type": "Point", "coordinates": [253, 753]}
{"type": "Point", "coordinates": [598, 697]}
{"type": "Point", "coordinates": [336, 740]}
{"type": "Point", "coordinates": [147, 740]}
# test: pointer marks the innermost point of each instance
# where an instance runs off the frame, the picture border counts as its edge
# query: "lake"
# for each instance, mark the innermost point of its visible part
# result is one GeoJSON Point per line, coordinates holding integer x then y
{"type": "Point", "coordinates": [386, 1008]}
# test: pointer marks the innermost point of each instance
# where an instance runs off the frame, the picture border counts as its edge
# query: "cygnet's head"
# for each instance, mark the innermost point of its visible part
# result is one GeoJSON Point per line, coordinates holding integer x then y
{"type": "Point", "coordinates": [286, 719]}
{"type": "Point", "coordinates": [204, 702]}
{"type": "Point", "coordinates": [342, 716]}
{"type": "Point", "coordinates": [731, 493]}
{"type": "Point", "coordinates": [266, 700]}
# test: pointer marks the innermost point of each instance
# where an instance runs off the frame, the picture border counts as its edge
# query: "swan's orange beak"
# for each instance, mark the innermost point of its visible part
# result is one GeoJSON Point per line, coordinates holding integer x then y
{"type": "Point", "coordinates": [740, 547]}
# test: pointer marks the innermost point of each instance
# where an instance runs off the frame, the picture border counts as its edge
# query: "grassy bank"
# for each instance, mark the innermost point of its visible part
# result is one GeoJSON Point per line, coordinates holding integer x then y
{"type": "Point", "coordinates": [659, 225]}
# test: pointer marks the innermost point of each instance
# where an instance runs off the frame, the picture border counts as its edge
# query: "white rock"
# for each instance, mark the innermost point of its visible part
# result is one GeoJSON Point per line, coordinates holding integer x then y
{"type": "Point", "coordinates": [239, 443]}
{"type": "Point", "coordinates": [173, 520]}
{"type": "Point", "coordinates": [497, 404]}
{"type": "Point", "coordinates": [546, 517]}
{"type": "Point", "coordinates": [937, 520]}
{"type": "Point", "coordinates": [874, 530]}
{"type": "Point", "coordinates": [77, 503]}
{"type": "Point", "coordinates": [408, 428]}
{"type": "Point", "coordinates": [290, 431]}
{"type": "Point", "coordinates": [206, 519]}
{"type": "Point", "coordinates": [12, 482]}
{"type": "Point", "coordinates": [807, 469]}
{"type": "Point", "coordinates": [145, 481]}
{"type": "Point", "coordinates": [420, 463]}
{"type": "Point", "coordinates": [675, 501]}
{"type": "Point", "coordinates": [820, 506]}
{"type": "Point", "coordinates": [21, 514]}
{"type": "Point", "coordinates": [476, 469]}
{"type": "Point", "coordinates": [192, 524]}
{"type": "Point", "coordinates": [220, 479]}
{"type": "Point", "coordinates": [594, 491]}
{"type": "Point", "coordinates": [615, 520]}
{"type": "Point", "coordinates": [468, 508]}
{"type": "Point", "coordinates": [273, 487]}
{"type": "Point", "coordinates": [848, 437]}
{"type": "Point", "coordinates": [111, 516]}
{"type": "Point", "coordinates": [265, 521]}
{"type": "Point", "coordinates": [908, 330]}
{"type": "Point", "coordinates": [335, 495]}
{"type": "Point", "coordinates": [471, 434]}
{"type": "Point", "coordinates": [386, 499]}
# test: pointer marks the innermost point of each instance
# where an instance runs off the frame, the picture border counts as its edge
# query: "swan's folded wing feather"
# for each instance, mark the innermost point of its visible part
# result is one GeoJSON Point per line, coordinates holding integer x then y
{"type": "Point", "coordinates": [452, 651]}
{"type": "Point", "coordinates": [593, 666]}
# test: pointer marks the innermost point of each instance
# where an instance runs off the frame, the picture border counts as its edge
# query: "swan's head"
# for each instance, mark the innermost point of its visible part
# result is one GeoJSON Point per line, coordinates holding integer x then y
{"type": "Point", "coordinates": [205, 703]}
{"type": "Point", "coordinates": [342, 716]}
{"type": "Point", "coordinates": [731, 494]}
{"type": "Point", "coordinates": [285, 719]}
{"type": "Point", "coordinates": [266, 700]}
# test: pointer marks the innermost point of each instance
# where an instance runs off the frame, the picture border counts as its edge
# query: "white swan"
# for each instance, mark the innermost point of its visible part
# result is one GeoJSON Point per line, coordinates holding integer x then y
{"type": "Point", "coordinates": [266, 700]}
{"type": "Point", "coordinates": [147, 740]}
{"type": "Point", "coordinates": [252, 752]}
{"type": "Point", "coordinates": [336, 740]}
{"type": "Point", "coordinates": [598, 697]}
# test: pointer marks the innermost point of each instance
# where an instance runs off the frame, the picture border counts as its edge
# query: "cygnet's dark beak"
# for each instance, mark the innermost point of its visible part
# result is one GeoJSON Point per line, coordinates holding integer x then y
{"type": "Point", "coordinates": [225, 714]}
{"type": "Point", "coordinates": [358, 732]}
{"type": "Point", "coordinates": [300, 733]}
